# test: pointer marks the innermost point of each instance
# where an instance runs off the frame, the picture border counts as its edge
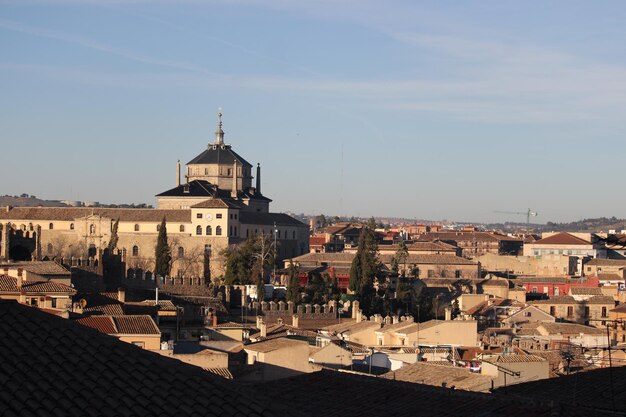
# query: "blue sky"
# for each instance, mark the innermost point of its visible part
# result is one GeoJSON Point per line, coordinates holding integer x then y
{"type": "Point", "coordinates": [430, 110]}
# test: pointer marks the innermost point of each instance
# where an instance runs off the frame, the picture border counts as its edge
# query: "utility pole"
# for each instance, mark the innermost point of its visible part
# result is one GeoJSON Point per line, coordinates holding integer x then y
{"type": "Point", "coordinates": [275, 233]}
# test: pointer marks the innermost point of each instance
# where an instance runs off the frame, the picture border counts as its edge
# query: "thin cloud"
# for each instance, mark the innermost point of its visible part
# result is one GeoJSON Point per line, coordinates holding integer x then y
{"type": "Point", "coordinates": [94, 45]}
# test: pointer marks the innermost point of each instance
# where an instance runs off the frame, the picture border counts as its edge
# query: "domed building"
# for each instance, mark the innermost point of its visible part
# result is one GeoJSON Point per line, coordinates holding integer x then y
{"type": "Point", "coordinates": [216, 206]}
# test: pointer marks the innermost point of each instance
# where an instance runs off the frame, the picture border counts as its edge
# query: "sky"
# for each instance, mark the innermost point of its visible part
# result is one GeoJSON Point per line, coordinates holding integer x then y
{"type": "Point", "coordinates": [418, 109]}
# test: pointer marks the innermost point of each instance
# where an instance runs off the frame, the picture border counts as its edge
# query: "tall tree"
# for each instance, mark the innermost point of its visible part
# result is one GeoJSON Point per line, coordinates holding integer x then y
{"type": "Point", "coordinates": [401, 256]}
{"type": "Point", "coordinates": [293, 285]}
{"type": "Point", "coordinates": [114, 238]}
{"type": "Point", "coordinates": [163, 256]}
{"type": "Point", "coordinates": [364, 270]}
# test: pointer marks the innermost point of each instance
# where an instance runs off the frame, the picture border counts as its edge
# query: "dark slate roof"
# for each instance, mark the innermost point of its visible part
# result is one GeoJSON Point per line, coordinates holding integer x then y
{"type": "Point", "coordinates": [343, 394]}
{"type": "Point", "coordinates": [281, 219]}
{"type": "Point", "coordinates": [583, 389]}
{"type": "Point", "coordinates": [217, 203]}
{"type": "Point", "coordinates": [202, 188]}
{"type": "Point", "coordinates": [196, 188]}
{"type": "Point", "coordinates": [216, 154]}
{"type": "Point", "coordinates": [60, 368]}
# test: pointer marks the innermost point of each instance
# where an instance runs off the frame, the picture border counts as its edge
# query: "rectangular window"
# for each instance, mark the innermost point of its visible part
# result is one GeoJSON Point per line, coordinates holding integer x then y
{"type": "Point", "coordinates": [603, 311]}
{"type": "Point", "coordinates": [586, 311]}
{"type": "Point", "coordinates": [552, 310]}
{"type": "Point", "coordinates": [218, 216]}
{"type": "Point", "coordinates": [545, 290]}
{"type": "Point", "coordinates": [570, 311]}
{"type": "Point", "coordinates": [534, 290]}
{"type": "Point", "coordinates": [199, 216]}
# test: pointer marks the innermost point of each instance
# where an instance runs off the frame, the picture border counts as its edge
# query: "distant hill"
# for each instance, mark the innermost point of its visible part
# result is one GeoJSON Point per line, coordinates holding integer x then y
{"type": "Point", "coordinates": [588, 225]}
{"type": "Point", "coordinates": [28, 201]}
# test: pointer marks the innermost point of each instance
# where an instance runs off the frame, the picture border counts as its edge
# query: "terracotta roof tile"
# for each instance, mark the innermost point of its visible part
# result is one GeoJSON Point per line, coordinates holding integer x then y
{"type": "Point", "coordinates": [72, 213]}
{"type": "Point", "coordinates": [9, 284]}
{"type": "Point", "coordinates": [135, 325]}
{"type": "Point", "coordinates": [563, 238]}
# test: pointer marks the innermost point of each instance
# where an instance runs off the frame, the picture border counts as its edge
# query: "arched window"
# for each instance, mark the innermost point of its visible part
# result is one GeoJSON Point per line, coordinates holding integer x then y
{"type": "Point", "coordinates": [209, 231]}
{"type": "Point", "coordinates": [181, 252]}
{"type": "Point", "coordinates": [182, 228]}
{"type": "Point", "coordinates": [50, 248]}
{"type": "Point", "coordinates": [30, 227]}
{"type": "Point", "coordinates": [92, 229]}
{"type": "Point", "coordinates": [71, 226]}
{"type": "Point", "coordinates": [218, 230]}
{"type": "Point", "coordinates": [51, 226]}
{"type": "Point", "coordinates": [135, 250]}
{"type": "Point", "coordinates": [199, 230]}
{"type": "Point", "coordinates": [136, 228]}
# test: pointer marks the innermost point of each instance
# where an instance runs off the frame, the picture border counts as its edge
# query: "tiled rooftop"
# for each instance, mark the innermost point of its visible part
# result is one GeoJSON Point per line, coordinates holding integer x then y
{"type": "Point", "coordinates": [437, 375]}
{"type": "Point", "coordinates": [59, 368]}
{"type": "Point", "coordinates": [9, 284]}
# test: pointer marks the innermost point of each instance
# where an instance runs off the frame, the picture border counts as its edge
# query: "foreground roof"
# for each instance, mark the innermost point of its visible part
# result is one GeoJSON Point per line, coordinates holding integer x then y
{"type": "Point", "coordinates": [601, 389]}
{"type": "Point", "coordinates": [59, 368]}
{"type": "Point", "coordinates": [343, 394]}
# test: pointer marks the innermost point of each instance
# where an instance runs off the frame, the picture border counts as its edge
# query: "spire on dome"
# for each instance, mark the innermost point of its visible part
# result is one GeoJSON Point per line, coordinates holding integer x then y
{"type": "Point", "coordinates": [219, 133]}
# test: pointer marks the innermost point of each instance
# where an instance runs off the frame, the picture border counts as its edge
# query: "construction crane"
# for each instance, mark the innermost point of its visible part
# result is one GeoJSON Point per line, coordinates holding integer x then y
{"type": "Point", "coordinates": [528, 215]}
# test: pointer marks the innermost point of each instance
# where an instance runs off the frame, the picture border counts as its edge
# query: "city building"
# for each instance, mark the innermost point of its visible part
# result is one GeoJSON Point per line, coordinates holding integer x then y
{"type": "Point", "coordinates": [216, 207]}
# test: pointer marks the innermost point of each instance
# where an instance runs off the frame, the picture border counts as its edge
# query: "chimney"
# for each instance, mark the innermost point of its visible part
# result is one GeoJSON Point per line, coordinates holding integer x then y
{"type": "Point", "coordinates": [258, 178]}
{"type": "Point", "coordinates": [20, 278]}
{"type": "Point", "coordinates": [263, 329]}
{"type": "Point", "coordinates": [178, 173]}
{"type": "Point", "coordinates": [121, 295]}
{"type": "Point", "coordinates": [214, 319]}
{"type": "Point", "coordinates": [259, 320]}
{"type": "Point", "coordinates": [448, 311]}
{"type": "Point", "coordinates": [410, 319]}
{"type": "Point", "coordinates": [295, 320]}
{"type": "Point", "coordinates": [395, 319]}
{"type": "Point", "coordinates": [233, 193]}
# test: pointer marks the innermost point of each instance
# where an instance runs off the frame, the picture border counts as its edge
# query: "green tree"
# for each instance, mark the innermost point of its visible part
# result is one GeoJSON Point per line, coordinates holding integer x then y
{"type": "Point", "coordinates": [114, 238]}
{"type": "Point", "coordinates": [243, 262]}
{"type": "Point", "coordinates": [401, 256]}
{"type": "Point", "coordinates": [293, 284]}
{"type": "Point", "coordinates": [364, 270]}
{"type": "Point", "coordinates": [335, 292]}
{"type": "Point", "coordinates": [162, 252]}
{"type": "Point", "coordinates": [456, 310]}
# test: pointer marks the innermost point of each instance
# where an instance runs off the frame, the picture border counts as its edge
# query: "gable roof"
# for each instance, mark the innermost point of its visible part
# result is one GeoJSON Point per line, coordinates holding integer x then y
{"type": "Point", "coordinates": [39, 267]}
{"type": "Point", "coordinates": [562, 238]}
{"type": "Point", "coordinates": [606, 262]}
{"type": "Point", "coordinates": [66, 369]}
{"type": "Point", "coordinates": [219, 154]}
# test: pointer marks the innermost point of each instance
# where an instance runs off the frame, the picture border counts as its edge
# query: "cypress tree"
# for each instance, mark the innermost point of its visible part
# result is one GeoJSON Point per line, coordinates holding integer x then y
{"type": "Point", "coordinates": [114, 238]}
{"type": "Point", "coordinates": [293, 285]}
{"type": "Point", "coordinates": [162, 252]}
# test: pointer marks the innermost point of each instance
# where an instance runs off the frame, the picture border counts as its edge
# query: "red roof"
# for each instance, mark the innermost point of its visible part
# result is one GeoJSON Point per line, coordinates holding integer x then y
{"type": "Point", "coordinates": [563, 238]}
{"type": "Point", "coordinates": [103, 324]}
{"type": "Point", "coordinates": [317, 240]}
